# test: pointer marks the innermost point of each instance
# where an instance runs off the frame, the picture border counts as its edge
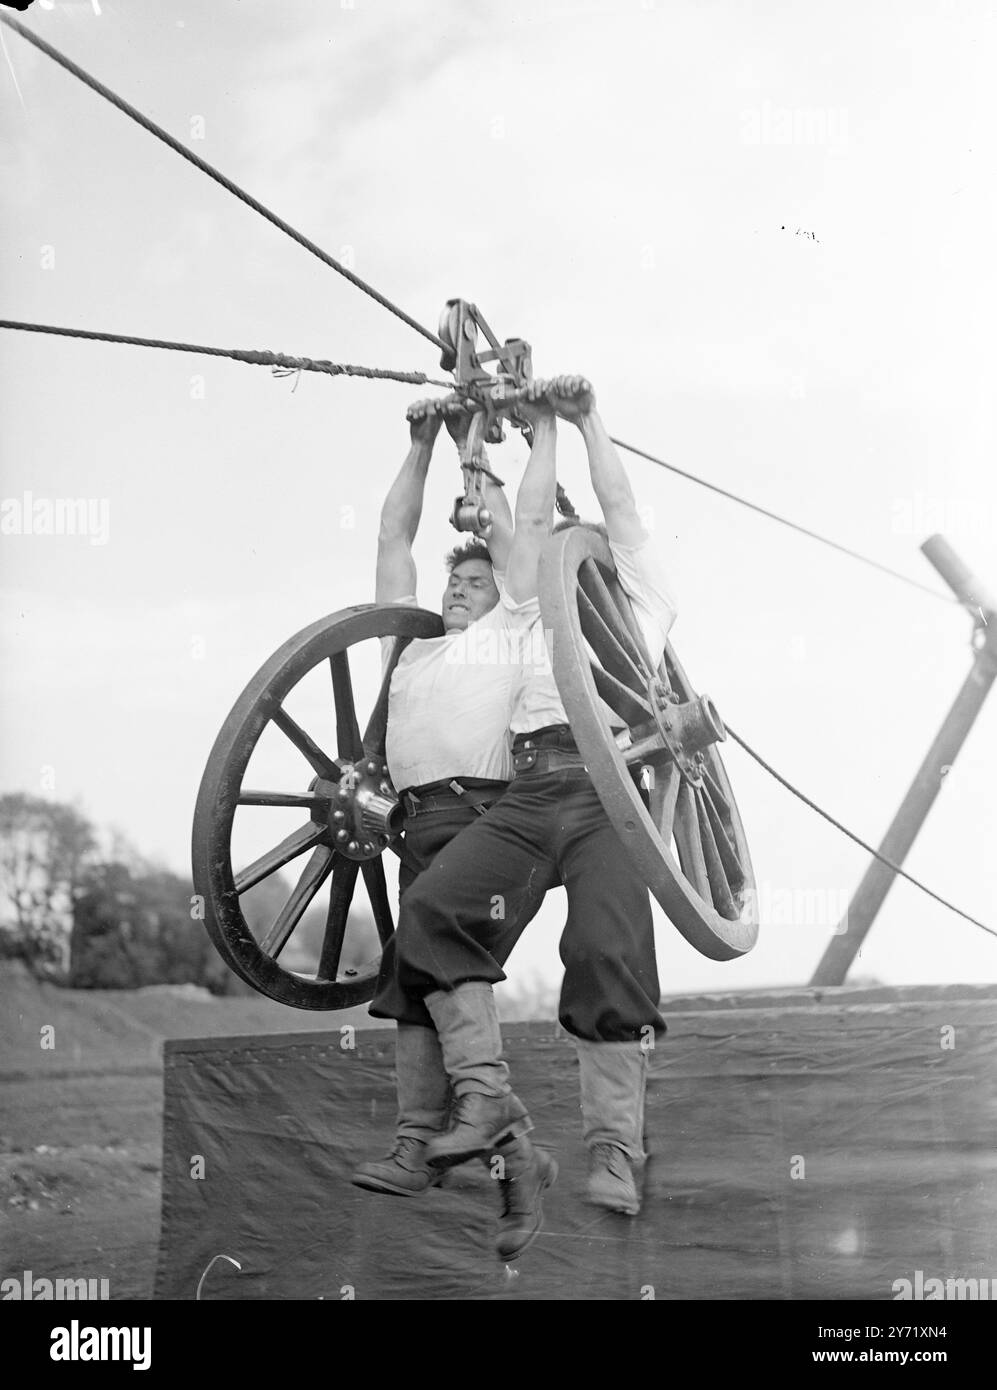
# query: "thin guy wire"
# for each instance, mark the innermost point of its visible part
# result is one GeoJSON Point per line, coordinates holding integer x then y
{"type": "Point", "coordinates": [783, 521]}
{"type": "Point", "coordinates": [845, 831]}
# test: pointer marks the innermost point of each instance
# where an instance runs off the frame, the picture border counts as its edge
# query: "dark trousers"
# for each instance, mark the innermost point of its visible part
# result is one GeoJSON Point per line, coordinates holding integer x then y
{"type": "Point", "coordinates": [461, 917]}
{"type": "Point", "coordinates": [425, 836]}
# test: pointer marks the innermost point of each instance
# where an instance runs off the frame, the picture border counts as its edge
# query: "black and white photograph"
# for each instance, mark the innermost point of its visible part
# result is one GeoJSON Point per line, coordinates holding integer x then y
{"type": "Point", "coordinates": [498, 533]}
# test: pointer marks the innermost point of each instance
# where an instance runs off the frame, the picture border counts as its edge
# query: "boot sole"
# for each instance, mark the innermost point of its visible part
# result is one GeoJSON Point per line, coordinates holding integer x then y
{"type": "Point", "coordinates": [441, 1162]}
{"type": "Point", "coordinates": [617, 1208]}
{"type": "Point", "coordinates": [381, 1185]}
{"type": "Point", "coordinates": [548, 1181]}
{"type": "Point", "coordinates": [619, 1205]}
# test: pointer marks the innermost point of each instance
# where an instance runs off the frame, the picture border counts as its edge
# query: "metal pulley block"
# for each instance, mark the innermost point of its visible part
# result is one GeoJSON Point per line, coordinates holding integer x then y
{"type": "Point", "coordinates": [466, 516]}
{"type": "Point", "coordinates": [460, 324]}
{"type": "Point", "coordinates": [492, 395]}
{"type": "Point", "coordinates": [470, 512]}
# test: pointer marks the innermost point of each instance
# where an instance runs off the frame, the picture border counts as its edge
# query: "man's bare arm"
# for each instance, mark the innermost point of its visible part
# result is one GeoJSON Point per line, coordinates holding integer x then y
{"type": "Point", "coordinates": [535, 499]}
{"type": "Point", "coordinates": [500, 540]}
{"type": "Point", "coordinates": [609, 478]}
{"type": "Point", "coordinates": [402, 510]}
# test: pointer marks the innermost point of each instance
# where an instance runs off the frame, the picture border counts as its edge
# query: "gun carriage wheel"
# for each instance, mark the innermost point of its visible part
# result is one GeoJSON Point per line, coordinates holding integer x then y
{"type": "Point", "coordinates": [349, 810]}
{"type": "Point", "coordinates": [679, 820]}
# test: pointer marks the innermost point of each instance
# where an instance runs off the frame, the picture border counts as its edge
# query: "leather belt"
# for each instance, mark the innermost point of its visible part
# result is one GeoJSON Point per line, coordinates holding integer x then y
{"type": "Point", "coordinates": [445, 799]}
{"type": "Point", "coordinates": [543, 760]}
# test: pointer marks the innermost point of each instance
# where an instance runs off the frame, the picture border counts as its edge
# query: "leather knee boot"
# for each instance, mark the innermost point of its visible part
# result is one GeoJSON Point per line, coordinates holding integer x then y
{"type": "Point", "coordinates": [423, 1100]}
{"type": "Point", "coordinates": [613, 1078]}
{"type": "Point", "coordinates": [485, 1109]}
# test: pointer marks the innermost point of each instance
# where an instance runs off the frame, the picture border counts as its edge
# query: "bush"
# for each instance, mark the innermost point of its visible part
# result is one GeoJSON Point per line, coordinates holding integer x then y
{"type": "Point", "coordinates": [132, 927]}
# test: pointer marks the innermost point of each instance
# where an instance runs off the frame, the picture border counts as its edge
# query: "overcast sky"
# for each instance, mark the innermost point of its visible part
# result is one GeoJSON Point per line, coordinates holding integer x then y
{"type": "Point", "coordinates": [764, 232]}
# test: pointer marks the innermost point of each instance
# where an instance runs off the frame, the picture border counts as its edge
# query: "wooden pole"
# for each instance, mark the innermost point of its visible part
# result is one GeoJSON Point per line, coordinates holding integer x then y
{"type": "Point", "coordinates": [878, 879]}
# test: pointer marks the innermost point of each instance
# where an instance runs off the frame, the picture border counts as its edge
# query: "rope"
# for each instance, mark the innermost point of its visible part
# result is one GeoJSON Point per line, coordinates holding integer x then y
{"type": "Point", "coordinates": [283, 362]}
{"type": "Point", "coordinates": [213, 173]}
{"type": "Point", "coordinates": [257, 358]}
{"type": "Point", "coordinates": [783, 521]}
{"type": "Point", "coordinates": [302, 240]}
{"type": "Point", "coordinates": [563, 503]}
{"type": "Point", "coordinates": [845, 831]}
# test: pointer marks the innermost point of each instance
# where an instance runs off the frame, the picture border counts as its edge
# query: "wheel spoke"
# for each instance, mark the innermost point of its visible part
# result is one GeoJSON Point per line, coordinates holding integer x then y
{"type": "Point", "coordinates": [296, 843]}
{"type": "Point", "coordinates": [594, 586]}
{"type": "Point", "coordinates": [625, 609]}
{"type": "Point", "coordinates": [377, 891]}
{"type": "Point", "coordinates": [725, 848]}
{"type": "Point", "coordinates": [314, 874]}
{"type": "Point", "coordinates": [344, 878]}
{"type": "Point", "coordinates": [620, 698]}
{"type": "Point", "coordinates": [320, 761]}
{"type": "Point", "coordinates": [348, 744]}
{"type": "Point", "coordinates": [644, 748]}
{"type": "Point", "coordinates": [721, 895]}
{"type": "Point", "coordinates": [715, 793]}
{"type": "Point", "coordinates": [377, 725]}
{"type": "Point", "coordinates": [307, 800]}
{"type": "Point", "coordinates": [600, 638]}
{"type": "Point", "coordinates": [663, 795]}
{"type": "Point", "coordinates": [690, 848]}
{"type": "Point", "coordinates": [675, 678]}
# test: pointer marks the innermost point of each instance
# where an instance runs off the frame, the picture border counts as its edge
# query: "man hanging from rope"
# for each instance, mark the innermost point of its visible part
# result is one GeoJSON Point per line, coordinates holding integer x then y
{"type": "Point", "coordinates": [449, 754]}
{"type": "Point", "coordinates": [549, 828]}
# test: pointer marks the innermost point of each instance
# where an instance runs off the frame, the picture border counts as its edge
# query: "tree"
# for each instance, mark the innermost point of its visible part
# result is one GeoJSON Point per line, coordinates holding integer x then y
{"type": "Point", "coordinates": [132, 927]}
{"type": "Point", "coordinates": [45, 848]}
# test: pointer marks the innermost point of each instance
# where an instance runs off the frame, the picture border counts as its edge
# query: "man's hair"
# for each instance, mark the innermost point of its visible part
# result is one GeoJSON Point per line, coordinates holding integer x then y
{"type": "Point", "coordinates": [566, 521]}
{"type": "Point", "coordinates": [472, 549]}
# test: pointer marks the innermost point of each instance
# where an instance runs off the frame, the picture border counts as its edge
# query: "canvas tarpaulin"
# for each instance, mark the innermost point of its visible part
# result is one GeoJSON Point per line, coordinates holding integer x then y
{"type": "Point", "coordinates": [804, 1145]}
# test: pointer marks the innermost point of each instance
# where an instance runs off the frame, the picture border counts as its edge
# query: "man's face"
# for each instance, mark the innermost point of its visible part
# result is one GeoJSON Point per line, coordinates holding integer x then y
{"type": "Point", "coordinates": [470, 593]}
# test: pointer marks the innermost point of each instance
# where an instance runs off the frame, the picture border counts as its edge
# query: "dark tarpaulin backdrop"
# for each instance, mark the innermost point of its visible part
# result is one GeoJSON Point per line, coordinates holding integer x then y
{"type": "Point", "coordinates": [882, 1101]}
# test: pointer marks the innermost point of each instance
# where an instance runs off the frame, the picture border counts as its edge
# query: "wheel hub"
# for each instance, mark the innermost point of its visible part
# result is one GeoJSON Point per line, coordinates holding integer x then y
{"type": "Point", "coordinates": [686, 729]}
{"type": "Point", "coordinates": [363, 813]}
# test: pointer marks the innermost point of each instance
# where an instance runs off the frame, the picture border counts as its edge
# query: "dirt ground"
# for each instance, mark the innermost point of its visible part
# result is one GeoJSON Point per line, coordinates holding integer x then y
{"type": "Point", "coordinates": [81, 1098]}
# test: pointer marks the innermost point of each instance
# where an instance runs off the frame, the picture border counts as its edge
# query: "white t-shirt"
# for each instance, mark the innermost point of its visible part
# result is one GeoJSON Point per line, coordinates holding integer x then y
{"type": "Point", "coordinates": [537, 702]}
{"type": "Point", "coordinates": [450, 700]}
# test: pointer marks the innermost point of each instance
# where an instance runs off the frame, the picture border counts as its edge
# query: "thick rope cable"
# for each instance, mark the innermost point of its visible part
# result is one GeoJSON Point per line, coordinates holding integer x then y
{"type": "Point", "coordinates": [256, 357]}
{"type": "Point", "coordinates": [309, 245]}
{"type": "Point", "coordinates": [852, 836]}
{"type": "Point", "coordinates": [784, 521]}
{"type": "Point", "coordinates": [212, 173]}
{"type": "Point", "coordinates": [279, 360]}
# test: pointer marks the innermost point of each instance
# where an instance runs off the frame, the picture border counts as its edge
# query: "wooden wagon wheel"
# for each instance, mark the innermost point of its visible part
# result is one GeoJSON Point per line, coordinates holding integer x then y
{"type": "Point", "coordinates": [350, 810]}
{"type": "Point", "coordinates": [705, 884]}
